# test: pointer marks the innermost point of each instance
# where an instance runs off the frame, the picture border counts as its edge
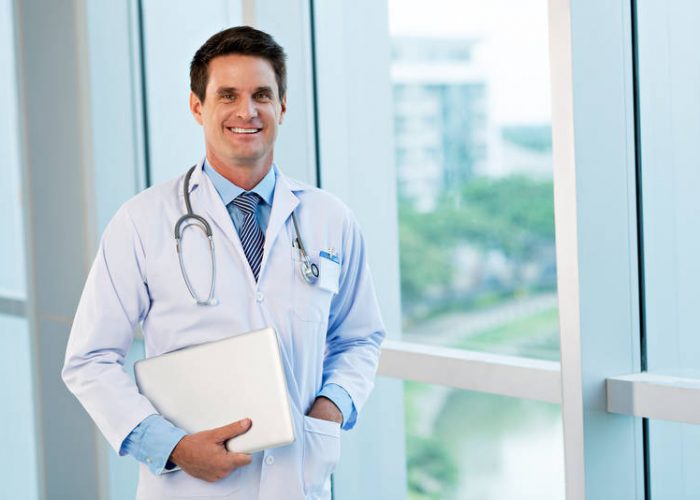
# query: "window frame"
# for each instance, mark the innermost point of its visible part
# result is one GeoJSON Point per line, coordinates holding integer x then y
{"type": "Point", "coordinates": [595, 166]}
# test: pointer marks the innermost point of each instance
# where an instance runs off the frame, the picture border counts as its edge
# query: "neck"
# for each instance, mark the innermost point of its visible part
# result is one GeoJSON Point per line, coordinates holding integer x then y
{"type": "Point", "coordinates": [244, 176]}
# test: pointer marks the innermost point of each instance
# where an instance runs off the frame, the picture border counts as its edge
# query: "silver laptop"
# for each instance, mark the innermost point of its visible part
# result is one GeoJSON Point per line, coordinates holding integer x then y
{"type": "Point", "coordinates": [216, 383]}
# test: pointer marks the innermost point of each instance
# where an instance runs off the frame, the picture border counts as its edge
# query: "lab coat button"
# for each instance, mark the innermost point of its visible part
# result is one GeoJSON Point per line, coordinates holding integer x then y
{"type": "Point", "coordinates": [269, 460]}
{"type": "Point", "coordinates": [148, 460]}
{"type": "Point", "coordinates": [260, 297]}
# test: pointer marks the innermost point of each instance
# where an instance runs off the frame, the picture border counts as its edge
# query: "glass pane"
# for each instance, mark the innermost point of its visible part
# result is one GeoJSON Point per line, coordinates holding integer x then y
{"type": "Point", "coordinates": [124, 471]}
{"type": "Point", "coordinates": [173, 31]}
{"type": "Point", "coordinates": [18, 457]}
{"type": "Point", "coordinates": [12, 282]}
{"type": "Point", "coordinates": [115, 105]}
{"type": "Point", "coordinates": [669, 77]}
{"type": "Point", "coordinates": [674, 459]}
{"type": "Point", "coordinates": [670, 125]}
{"type": "Point", "coordinates": [473, 150]}
{"type": "Point", "coordinates": [466, 445]}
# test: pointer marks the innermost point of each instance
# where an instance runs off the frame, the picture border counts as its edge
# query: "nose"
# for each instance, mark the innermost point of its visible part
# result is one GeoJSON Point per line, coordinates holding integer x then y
{"type": "Point", "coordinates": [246, 108]}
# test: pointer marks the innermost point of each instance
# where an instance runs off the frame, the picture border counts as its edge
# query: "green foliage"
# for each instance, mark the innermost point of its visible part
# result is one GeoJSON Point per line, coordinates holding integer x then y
{"type": "Point", "coordinates": [534, 336]}
{"type": "Point", "coordinates": [423, 257]}
{"type": "Point", "coordinates": [514, 215]}
{"type": "Point", "coordinates": [432, 473]}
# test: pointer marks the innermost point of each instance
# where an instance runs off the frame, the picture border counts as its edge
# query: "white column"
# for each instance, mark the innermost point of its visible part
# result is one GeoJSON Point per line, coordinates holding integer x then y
{"type": "Point", "coordinates": [58, 203]}
{"type": "Point", "coordinates": [595, 212]}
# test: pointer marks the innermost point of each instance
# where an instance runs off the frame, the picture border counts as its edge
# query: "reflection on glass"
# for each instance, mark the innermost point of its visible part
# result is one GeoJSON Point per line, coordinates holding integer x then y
{"type": "Point", "coordinates": [12, 282]}
{"type": "Point", "coordinates": [123, 471]}
{"type": "Point", "coordinates": [465, 445]}
{"type": "Point", "coordinates": [473, 152]}
{"type": "Point", "coordinates": [674, 457]}
{"type": "Point", "coordinates": [173, 31]}
{"type": "Point", "coordinates": [18, 456]}
{"type": "Point", "coordinates": [669, 76]}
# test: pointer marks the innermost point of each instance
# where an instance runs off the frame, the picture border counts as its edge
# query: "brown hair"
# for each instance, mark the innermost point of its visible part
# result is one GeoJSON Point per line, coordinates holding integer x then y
{"type": "Point", "coordinates": [242, 40]}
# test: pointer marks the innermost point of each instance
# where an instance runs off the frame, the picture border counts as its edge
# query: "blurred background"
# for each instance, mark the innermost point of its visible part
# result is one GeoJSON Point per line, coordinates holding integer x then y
{"type": "Point", "coordinates": [434, 122]}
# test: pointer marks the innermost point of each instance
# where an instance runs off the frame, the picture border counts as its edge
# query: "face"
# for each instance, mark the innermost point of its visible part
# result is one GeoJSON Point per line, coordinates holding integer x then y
{"type": "Point", "coordinates": [241, 112]}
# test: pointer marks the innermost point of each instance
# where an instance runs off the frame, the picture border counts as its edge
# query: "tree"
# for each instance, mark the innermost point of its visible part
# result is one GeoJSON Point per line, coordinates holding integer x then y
{"type": "Point", "coordinates": [514, 215]}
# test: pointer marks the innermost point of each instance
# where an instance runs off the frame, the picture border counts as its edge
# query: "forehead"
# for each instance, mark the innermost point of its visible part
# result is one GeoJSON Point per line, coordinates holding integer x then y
{"type": "Point", "coordinates": [240, 72]}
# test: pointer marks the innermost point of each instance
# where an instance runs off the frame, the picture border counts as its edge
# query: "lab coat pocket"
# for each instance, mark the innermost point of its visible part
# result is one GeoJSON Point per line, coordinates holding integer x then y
{"type": "Point", "coordinates": [321, 455]}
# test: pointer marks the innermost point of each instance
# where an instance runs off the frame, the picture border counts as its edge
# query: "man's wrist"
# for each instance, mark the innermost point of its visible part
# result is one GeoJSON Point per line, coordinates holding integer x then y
{"type": "Point", "coordinates": [152, 442]}
{"type": "Point", "coordinates": [325, 409]}
{"type": "Point", "coordinates": [170, 463]}
{"type": "Point", "coordinates": [341, 399]}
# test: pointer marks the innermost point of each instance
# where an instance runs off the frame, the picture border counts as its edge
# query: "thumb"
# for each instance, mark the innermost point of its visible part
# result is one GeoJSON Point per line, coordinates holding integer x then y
{"type": "Point", "coordinates": [231, 430]}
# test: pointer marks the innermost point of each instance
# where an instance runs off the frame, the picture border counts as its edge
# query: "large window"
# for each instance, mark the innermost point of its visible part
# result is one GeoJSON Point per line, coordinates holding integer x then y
{"type": "Point", "coordinates": [432, 121]}
{"type": "Point", "coordinates": [172, 32]}
{"type": "Point", "coordinates": [669, 76]}
{"type": "Point", "coordinates": [12, 280]}
{"type": "Point", "coordinates": [463, 445]}
{"type": "Point", "coordinates": [17, 432]}
{"type": "Point", "coordinates": [471, 192]}
{"type": "Point", "coordinates": [472, 130]}
{"type": "Point", "coordinates": [472, 146]}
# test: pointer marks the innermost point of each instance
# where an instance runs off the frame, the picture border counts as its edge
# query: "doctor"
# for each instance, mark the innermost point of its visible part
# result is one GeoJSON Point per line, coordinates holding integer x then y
{"type": "Point", "coordinates": [283, 254]}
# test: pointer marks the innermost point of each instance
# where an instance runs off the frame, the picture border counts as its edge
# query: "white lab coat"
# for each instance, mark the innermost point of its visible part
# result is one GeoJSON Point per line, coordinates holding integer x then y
{"type": "Point", "coordinates": [325, 337]}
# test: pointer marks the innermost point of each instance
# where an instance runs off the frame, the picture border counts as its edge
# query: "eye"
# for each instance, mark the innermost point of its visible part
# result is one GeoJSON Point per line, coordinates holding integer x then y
{"type": "Point", "coordinates": [263, 96]}
{"type": "Point", "coordinates": [228, 97]}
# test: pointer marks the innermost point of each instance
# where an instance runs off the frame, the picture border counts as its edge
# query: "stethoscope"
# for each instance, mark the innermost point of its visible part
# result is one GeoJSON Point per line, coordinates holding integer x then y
{"type": "Point", "coordinates": [309, 270]}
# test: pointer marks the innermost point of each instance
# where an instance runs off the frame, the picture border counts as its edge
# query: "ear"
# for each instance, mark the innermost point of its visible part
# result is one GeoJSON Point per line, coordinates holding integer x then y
{"type": "Point", "coordinates": [283, 105]}
{"type": "Point", "coordinates": [196, 107]}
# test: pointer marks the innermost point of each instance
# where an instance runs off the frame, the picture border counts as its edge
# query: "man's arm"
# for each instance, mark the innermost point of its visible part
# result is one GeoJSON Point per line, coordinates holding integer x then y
{"type": "Point", "coordinates": [152, 442]}
{"type": "Point", "coordinates": [355, 329]}
{"type": "Point", "coordinates": [326, 409]}
{"type": "Point", "coordinates": [341, 401]}
{"type": "Point", "coordinates": [115, 299]}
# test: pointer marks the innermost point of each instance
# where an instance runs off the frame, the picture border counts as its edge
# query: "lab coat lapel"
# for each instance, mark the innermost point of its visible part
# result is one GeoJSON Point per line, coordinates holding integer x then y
{"type": "Point", "coordinates": [283, 204]}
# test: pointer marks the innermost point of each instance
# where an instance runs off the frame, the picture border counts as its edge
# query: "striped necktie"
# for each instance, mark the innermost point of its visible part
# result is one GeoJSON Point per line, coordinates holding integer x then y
{"type": "Point", "coordinates": [252, 237]}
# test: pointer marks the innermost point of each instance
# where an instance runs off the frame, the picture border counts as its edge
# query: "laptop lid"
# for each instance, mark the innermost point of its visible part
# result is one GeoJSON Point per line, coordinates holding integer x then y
{"type": "Point", "coordinates": [213, 384]}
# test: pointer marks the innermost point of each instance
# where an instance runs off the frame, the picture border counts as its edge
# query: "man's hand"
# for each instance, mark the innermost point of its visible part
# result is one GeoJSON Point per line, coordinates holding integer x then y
{"type": "Point", "coordinates": [325, 409]}
{"type": "Point", "coordinates": [204, 454]}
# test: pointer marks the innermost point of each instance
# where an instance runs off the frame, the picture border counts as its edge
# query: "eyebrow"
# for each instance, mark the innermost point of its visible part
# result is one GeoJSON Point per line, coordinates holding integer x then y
{"type": "Point", "coordinates": [226, 90]}
{"type": "Point", "coordinates": [264, 89]}
{"type": "Point", "coordinates": [232, 90]}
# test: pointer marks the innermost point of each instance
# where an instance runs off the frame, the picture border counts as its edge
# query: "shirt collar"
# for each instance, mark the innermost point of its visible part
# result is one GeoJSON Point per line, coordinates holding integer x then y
{"type": "Point", "coordinates": [228, 191]}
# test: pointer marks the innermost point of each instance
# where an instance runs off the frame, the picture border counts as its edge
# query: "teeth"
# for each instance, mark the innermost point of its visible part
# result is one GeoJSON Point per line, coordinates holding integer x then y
{"type": "Point", "coordinates": [237, 130]}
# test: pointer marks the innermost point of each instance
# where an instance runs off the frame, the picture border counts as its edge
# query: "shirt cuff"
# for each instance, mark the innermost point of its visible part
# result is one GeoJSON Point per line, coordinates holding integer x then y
{"type": "Point", "coordinates": [340, 398]}
{"type": "Point", "coordinates": [152, 441]}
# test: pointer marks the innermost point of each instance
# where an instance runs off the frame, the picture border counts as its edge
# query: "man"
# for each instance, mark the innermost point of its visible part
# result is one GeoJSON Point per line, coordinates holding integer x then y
{"type": "Point", "coordinates": [329, 329]}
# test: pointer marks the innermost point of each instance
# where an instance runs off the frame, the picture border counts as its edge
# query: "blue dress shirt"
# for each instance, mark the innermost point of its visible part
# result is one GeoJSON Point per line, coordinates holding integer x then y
{"type": "Point", "coordinates": [153, 440]}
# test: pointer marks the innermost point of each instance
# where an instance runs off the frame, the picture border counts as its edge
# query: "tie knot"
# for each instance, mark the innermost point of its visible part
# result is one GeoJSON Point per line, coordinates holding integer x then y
{"type": "Point", "coordinates": [247, 202]}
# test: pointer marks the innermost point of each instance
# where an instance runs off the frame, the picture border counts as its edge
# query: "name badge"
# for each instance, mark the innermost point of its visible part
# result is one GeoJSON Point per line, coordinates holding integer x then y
{"type": "Point", "coordinates": [329, 271]}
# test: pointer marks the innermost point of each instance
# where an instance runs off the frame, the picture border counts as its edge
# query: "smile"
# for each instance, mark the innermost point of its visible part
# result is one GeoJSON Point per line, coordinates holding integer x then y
{"type": "Point", "coordinates": [237, 130]}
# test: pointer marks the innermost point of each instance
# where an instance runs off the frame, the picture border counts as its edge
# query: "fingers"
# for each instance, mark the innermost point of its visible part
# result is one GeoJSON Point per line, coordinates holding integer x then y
{"type": "Point", "coordinates": [229, 431]}
{"type": "Point", "coordinates": [239, 459]}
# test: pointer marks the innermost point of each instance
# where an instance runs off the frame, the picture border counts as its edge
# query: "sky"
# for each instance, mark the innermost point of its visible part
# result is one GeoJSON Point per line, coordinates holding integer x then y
{"type": "Point", "coordinates": [514, 50]}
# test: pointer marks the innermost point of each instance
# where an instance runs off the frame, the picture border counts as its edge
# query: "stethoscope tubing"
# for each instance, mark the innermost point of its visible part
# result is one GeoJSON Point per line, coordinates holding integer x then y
{"type": "Point", "coordinates": [202, 223]}
{"type": "Point", "coordinates": [309, 270]}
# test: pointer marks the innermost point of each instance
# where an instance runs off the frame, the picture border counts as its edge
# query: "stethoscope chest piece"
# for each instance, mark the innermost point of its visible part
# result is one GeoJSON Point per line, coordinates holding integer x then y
{"type": "Point", "coordinates": [309, 271]}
